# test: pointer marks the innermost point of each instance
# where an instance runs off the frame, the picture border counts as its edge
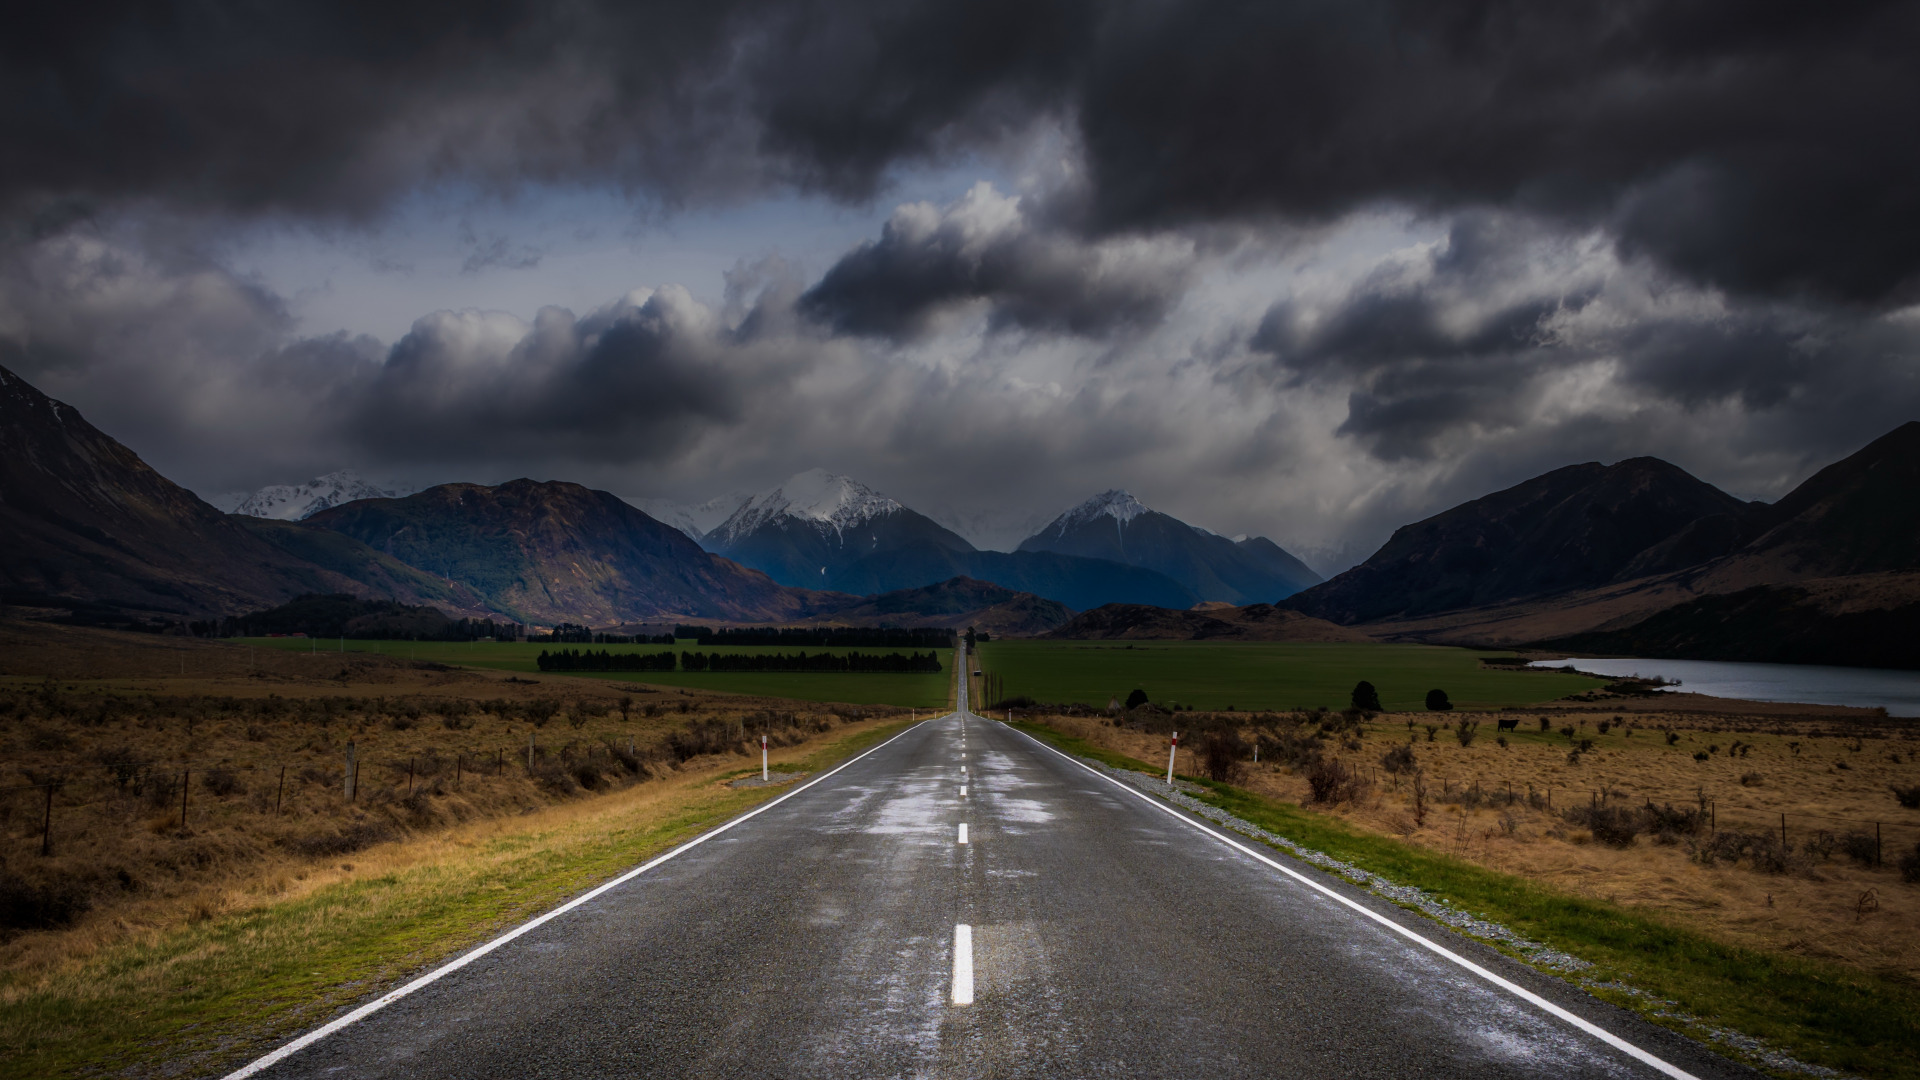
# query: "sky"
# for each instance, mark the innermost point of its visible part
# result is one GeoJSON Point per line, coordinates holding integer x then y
{"type": "Point", "coordinates": [1309, 270]}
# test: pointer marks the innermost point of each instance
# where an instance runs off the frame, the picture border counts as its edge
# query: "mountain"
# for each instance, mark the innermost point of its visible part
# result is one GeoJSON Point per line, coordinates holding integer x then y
{"type": "Point", "coordinates": [1117, 527]}
{"type": "Point", "coordinates": [696, 520]}
{"type": "Point", "coordinates": [559, 552]}
{"type": "Point", "coordinates": [295, 502]}
{"type": "Point", "coordinates": [89, 527]}
{"type": "Point", "coordinates": [959, 603]}
{"type": "Point", "coordinates": [1224, 622]}
{"type": "Point", "coordinates": [1578, 527]}
{"type": "Point", "coordinates": [816, 524]}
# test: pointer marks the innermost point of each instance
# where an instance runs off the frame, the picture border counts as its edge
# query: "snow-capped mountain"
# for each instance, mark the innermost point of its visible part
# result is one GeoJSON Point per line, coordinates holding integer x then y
{"type": "Point", "coordinates": [828, 501]}
{"type": "Point", "coordinates": [694, 519]}
{"type": "Point", "coordinates": [1116, 526]}
{"type": "Point", "coordinates": [297, 502]}
{"type": "Point", "coordinates": [815, 524]}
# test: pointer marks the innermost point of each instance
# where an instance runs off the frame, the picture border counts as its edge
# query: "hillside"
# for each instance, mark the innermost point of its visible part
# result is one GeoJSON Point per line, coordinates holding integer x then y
{"type": "Point", "coordinates": [560, 552]}
{"type": "Point", "coordinates": [85, 523]}
{"type": "Point", "coordinates": [1575, 528]}
{"type": "Point", "coordinates": [1118, 528]}
{"type": "Point", "coordinates": [959, 603]}
{"type": "Point", "coordinates": [1255, 622]}
{"type": "Point", "coordinates": [808, 530]}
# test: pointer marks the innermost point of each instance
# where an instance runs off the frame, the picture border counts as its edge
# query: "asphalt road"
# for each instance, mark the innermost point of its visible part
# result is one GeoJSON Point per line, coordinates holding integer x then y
{"type": "Point", "coordinates": [1109, 937]}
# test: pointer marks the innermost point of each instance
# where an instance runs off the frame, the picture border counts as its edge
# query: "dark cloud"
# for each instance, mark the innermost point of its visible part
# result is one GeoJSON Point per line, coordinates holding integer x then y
{"type": "Point", "coordinates": [983, 250]}
{"type": "Point", "coordinates": [1756, 148]}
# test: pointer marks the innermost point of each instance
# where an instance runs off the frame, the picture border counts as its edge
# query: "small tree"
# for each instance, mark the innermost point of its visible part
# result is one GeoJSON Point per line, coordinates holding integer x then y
{"type": "Point", "coordinates": [1366, 698]}
{"type": "Point", "coordinates": [1437, 701]}
{"type": "Point", "coordinates": [1136, 699]}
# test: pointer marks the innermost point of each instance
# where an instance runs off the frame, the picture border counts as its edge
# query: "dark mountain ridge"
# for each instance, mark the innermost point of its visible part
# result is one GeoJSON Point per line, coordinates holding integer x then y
{"type": "Point", "coordinates": [1577, 527]}
{"type": "Point", "coordinates": [85, 522]}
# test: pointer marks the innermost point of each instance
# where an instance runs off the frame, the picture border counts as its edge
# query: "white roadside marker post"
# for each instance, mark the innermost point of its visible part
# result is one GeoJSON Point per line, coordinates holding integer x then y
{"type": "Point", "coordinates": [763, 759]}
{"type": "Point", "coordinates": [1172, 749]}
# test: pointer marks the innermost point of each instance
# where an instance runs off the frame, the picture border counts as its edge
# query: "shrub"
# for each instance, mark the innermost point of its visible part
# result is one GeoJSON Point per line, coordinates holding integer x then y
{"type": "Point", "coordinates": [1222, 754]}
{"type": "Point", "coordinates": [1137, 698]}
{"type": "Point", "coordinates": [1612, 825]}
{"type": "Point", "coordinates": [1860, 847]}
{"type": "Point", "coordinates": [1910, 866]}
{"type": "Point", "coordinates": [1699, 755]}
{"type": "Point", "coordinates": [1330, 781]}
{"type": "Point", "coordinates": [1909, 796]}
{"type": "Point", "coordinates": [1432, 730]}
{"type": "Point", "coordinates": [1750, 779]}
{"type": "Point", "coordinates": [1437, 701]}
{"type": "Point", "coordinates": [223, 782]}
{"type": "Point", "coordinates": [1366, 698]}
{"type": "Point", "coordinates": [1763, 850]}
{"type": "Point", "coordinates": [1545, 724]}
{"type": "Point", "coordinates": [1502, 740]}
{"type": "Point", "coordinates": [1465, 731]}
{"type": "Point", "coordinates": [27, 906]}
{"type": "Point", "coordinates": [1820, 845]}
{"type": "Point", "coordinates": [352, 838]}
{"type": "Point", "coordinates": [1398, 760]}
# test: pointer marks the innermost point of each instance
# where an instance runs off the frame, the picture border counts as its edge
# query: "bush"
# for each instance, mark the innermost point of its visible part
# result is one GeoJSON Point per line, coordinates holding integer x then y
{"type": "Point", "coordinates": [1612, 825]}
{"type": "Point", "coordinates": [1437, 701]}
{"type": "Point", "coordinates": [1763, 850]}
{"type": "Point", "coordinates": [1910, 866]}
{"type": "Point", "coordinates": [1222, 755]}
{"type": "Point", "coordinates": [1366, 698]}
{"type": "Point", "coordinates": [26, 906]}
{"type": "Point", "coordinates": [1465, 732]}
{"type": "Point", "coordinates": [1860, 847]}
{"type": "Point", "coordinates": [1330, 781]}
{"type": "Point", "coordinates": [223, 782]}
{"type": "Point", "coordinates": [1398, 760]}
{"type": "Point", "coordinates": [1136, 699]}
{"type": "Point", "coordinates": [1909, 796]}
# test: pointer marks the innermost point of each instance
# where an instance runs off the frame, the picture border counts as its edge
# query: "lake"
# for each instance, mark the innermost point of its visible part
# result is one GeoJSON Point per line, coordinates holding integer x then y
{"type": "Point", "coordinates": [1896, 691]}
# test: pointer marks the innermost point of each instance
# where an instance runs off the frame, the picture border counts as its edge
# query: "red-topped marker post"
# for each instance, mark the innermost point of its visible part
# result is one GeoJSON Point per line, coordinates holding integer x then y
{"type": "Point", "coordinates": [1172, 749]}
{"type": "Point", "coordinates": [763, 759]}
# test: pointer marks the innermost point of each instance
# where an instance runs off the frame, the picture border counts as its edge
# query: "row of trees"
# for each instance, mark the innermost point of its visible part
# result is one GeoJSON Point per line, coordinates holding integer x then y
{"type": "Point", "coordinates": [1366, 698]}
{"type": "Point", "coordinates": [891, 663]}
{"type": "Point", "coordinates": [576, 660]}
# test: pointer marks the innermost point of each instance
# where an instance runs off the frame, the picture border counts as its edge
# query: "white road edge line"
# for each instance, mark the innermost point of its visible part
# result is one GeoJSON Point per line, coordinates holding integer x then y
{"type": "Point", "coordinates": [452, 966]}
{"type": "Point", "coordinates": [963, 832]}
{"type": "Point", "coordinates": [962, 964]}
{"type": "Point", "coordinates": [1513, 988]}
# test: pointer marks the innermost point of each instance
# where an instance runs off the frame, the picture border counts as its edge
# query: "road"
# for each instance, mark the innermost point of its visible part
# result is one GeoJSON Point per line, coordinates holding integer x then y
{"type": "Point", "coordinates": [1109, 937]}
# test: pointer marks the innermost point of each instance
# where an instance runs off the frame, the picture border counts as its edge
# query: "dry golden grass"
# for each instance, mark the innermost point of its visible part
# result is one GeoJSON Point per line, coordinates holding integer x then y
{"type": "Point", "coordinates": [1828, 772]}
{"type": "Point", "coordinates": [263, 759]}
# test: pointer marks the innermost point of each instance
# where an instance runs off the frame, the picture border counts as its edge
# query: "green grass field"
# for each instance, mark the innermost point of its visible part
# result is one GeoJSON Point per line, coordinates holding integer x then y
{"type": "Point", "coordinates": [928, 691]}
{"type": "Point", "coordinates": [1262, 675]}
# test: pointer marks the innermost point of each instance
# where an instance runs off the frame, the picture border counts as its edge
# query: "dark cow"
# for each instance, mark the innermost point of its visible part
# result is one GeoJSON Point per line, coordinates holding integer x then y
{"type": "Point", "coordinates": [1508, 723]}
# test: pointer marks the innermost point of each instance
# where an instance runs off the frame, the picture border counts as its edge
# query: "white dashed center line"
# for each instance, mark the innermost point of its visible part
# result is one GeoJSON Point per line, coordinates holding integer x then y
{"type": "Point", "coordinates": [963, 832]}
{"type": "Point", "coordinates": [962, 963]}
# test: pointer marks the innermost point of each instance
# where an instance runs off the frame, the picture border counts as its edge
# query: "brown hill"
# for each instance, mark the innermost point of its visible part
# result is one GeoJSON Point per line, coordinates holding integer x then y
{"type": "Point", "coordinates": [1575, 528]}
{"type": "Point", "coordinates": [558, 552]}
{"type": "Point", "coordinates": [1255, 622]}
{"type": "Point", "coordinates": [958, 602]}
{"type": "Point", "coordinates": [86, 525]}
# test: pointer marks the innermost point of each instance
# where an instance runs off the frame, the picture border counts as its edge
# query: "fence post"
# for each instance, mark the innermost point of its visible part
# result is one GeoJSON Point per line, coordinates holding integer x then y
{"type": "Point", "coordinates": [186, 784]}
{"type": "Point", "coordinates": [529, 753]}
{"type": "Point", "coordinates": [1876, 843]}
{"type": "Point", "coordinates": [353, 773]}
{"type": "Point", "coordinates": [46, 827]}
{"type": "Point", "coordinates": [456, 770]}
{"type": "Point", "coordinates": [1783, 831]}
{"type": "Point", "coordinates": [282, 793]}
{"type": "Point", "coordinates": [409, 776]}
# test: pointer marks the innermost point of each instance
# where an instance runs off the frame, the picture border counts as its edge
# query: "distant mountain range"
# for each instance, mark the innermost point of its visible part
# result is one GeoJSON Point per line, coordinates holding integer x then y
{"type": "Point", "coordinates": [820, 530]}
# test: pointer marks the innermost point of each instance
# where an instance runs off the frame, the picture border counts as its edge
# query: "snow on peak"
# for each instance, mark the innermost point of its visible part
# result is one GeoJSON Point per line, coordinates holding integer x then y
{"type": "Point", "coordinates": [1117, 504]}
{"type": "Point", "coordinates": [296, 502]}
{"type": "Point", "coordinates": [827, 500]}
{"type": "Point", "coordinates": [694, 520]}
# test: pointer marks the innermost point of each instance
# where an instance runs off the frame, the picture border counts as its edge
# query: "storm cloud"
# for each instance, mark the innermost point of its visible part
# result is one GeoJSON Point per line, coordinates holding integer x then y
{"type": "Point", "coordinates": [1302, 268]}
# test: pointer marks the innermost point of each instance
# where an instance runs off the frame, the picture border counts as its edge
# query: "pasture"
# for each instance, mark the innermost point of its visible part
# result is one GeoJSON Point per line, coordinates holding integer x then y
{"type": "Point", "coordinates": [921, 691]}
{"type": "Point", "coordinates": [1262, 675]}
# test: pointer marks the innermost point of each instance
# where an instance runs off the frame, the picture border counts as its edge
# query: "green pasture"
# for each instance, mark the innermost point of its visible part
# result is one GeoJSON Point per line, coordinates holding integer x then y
{"type": "Point", "coordinates": [923, 691]}
{"type": "Point", "coordinates": [1262, 675]}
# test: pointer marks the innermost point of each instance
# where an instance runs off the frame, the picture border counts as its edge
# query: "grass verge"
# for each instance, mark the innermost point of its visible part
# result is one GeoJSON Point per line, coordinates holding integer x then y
{"type": "Point", "coordinates": [207, 997]}
{"type": "Point", "coordinates": [1821, 1013]}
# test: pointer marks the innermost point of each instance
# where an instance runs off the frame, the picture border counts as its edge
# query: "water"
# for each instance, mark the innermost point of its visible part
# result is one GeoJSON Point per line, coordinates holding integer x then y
{"type": "Point", "coordinates": [1896, 691]}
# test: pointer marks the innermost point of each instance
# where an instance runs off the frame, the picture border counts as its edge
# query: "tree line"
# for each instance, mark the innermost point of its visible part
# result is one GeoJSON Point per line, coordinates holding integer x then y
{"type": "Point", "coordinates": [823, 637]}
{"type": "Point", "coordinates": [891, 663]}
{"type": "Point", "coordinates": [588, 660]}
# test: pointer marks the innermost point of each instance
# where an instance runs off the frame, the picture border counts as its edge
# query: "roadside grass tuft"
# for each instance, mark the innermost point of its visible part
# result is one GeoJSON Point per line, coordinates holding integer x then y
{"type": "Point", "coordinates": [1822, 1013]}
